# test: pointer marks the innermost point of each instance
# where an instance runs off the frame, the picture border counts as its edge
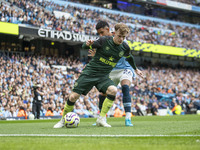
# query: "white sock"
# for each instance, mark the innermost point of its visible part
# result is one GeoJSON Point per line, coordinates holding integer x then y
{"type": "Point", "coordinates": [128, 115]}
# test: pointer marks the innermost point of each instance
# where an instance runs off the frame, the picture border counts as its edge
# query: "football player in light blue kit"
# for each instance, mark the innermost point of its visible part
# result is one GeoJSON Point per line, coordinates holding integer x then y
{"type": "Point", "coordinates": [122, 73]}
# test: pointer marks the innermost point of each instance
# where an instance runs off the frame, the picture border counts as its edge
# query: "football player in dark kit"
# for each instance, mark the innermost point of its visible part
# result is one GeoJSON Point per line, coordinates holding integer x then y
{"type": "Point", "coordinates": [122, 73]}
{"type": "Point", "coordinates": [108, 52]}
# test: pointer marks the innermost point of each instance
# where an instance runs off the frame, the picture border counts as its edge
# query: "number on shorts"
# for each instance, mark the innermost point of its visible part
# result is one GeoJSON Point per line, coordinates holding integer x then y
{"type": "Point", "coordinates": [127, 72]}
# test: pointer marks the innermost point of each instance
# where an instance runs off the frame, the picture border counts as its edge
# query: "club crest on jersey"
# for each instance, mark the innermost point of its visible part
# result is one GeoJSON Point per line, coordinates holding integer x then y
{"type": "Point", "coordinates": [107, 48]}
{"type": "Point", "coordinates": [121, 54]}
{"type": "Point", "coordinates": [76, 84]}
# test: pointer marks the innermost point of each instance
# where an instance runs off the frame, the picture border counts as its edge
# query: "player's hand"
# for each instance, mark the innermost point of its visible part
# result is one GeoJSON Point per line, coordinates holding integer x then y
{"type": "Point", "coordinates": [139, 73]}
{"type": "Point", "coordinates": [89, 42]}
{"type": "Point", "coordinates": [91, 52]}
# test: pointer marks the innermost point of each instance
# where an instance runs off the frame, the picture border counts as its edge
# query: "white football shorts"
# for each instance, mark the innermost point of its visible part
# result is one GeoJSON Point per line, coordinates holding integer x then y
{"type": "Point", "coordinates": [120, 74]}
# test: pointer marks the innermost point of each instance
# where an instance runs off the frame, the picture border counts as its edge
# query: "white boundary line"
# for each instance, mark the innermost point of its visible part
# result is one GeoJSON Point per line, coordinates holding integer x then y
{"type": "Point", "coordinates": [77, 135]}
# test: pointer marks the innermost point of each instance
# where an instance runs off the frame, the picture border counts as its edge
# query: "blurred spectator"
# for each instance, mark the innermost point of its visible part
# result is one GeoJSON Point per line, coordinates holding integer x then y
{"type": "Point", "coordinates": [138, 109]}
{"type": "Point", "coordinates": [154, 109]}
{"type": "Point", "coordinates": [177, 109]}
{"type": "Point", "coordinates": [1, 112]}
{"type": "Point", "coordinates": [22, 112]}
{"type": "Point", "coordinates": [195, 102]}
{"type": "Point", "coordinates": [56, 112]}
{"type": "Point", "coordinates": [12, 112]}
{"type": "Point", "coordinates": [49, 112]}
{"type": "Point", "coordinates": [118, 113]}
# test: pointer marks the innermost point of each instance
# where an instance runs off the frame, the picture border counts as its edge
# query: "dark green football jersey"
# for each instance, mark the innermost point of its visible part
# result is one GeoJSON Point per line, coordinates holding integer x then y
{"type": "Point", "coordinates": [107, 55]}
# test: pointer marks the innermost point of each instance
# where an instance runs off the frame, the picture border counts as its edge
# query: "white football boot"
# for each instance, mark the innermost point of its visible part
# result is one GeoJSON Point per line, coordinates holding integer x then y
{"type": "Point", "coordinates": [60, 124]}
{"type": "Point", "coordinates": [101, 121]}
{"type": "Point", "coordinates": [94, 124]}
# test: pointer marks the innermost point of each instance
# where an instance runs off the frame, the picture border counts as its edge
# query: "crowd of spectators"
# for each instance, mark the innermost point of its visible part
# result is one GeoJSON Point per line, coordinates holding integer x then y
{"type": "Point", "coordinates": [40, 14]}
{"type": "Point", "coordinates": [19, 74]}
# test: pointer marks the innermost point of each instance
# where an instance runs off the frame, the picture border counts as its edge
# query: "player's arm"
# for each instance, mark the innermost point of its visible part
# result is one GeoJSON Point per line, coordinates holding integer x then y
{"type": "Point", "coordinates": [89, 44]}
{"type": "Point", "coordinates": [129, 56]}
{"type": "Point", "coordinates": [131, 61]}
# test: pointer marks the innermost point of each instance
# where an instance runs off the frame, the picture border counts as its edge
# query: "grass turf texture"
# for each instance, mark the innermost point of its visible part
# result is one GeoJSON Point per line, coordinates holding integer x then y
{"type": "Point", "coordinates": [151, 125]}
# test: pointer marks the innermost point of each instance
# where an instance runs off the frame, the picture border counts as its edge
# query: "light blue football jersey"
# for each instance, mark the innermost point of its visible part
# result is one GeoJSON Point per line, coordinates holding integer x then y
{"type": "Point", "coordinates": [123, 64]}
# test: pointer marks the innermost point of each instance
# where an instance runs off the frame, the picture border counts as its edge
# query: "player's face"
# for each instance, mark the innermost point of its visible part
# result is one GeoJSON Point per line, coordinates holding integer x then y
{"type": "Point", "coordinates": [119, 37]}
{"type": "Point", "coordinates": [103, 31]}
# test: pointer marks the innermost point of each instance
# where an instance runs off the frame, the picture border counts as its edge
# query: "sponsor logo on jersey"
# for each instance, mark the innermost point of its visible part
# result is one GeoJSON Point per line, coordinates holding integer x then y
{"type": "Point", "coordinates": [107, 62]}
{"type": "Point", "coordinates": [121, 54]}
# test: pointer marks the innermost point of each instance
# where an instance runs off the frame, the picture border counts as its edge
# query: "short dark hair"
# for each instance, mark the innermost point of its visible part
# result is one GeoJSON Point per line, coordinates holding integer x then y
{"type": "Point", "coordinates": [101, 24]}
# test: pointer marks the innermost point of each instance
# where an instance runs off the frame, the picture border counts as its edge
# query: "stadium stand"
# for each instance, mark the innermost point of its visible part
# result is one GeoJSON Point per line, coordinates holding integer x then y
{"type": "Point", "coordinates": [144, 30]}
{"type": "Point", "coordinates": [19, 74]}
{"type": "Point", "coordinates": [163, 86]}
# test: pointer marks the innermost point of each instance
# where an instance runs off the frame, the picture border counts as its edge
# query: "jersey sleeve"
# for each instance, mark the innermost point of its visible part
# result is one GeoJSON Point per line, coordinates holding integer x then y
{"type": "Point", "coordinates": [96, 44]}
{"type": "Point", "coordinates": [129, 56]}
{"type": "Point", "coordinates": [128, 50]}
{"type": "Point", "coordinates": [131, 61]}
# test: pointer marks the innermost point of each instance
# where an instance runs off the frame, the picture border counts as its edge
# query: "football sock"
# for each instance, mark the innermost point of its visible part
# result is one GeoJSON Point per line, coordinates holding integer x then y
{"type": "Point", "coordinates": [107, 104]}
{"type": "Point", "coordinates": [101, 100]}
{"type": "Point", "coordinates": [126, 99]}
{"type": "Point", "coordinates": [69, 106]}
{"type": "Point", "coordinates": [128, 115]}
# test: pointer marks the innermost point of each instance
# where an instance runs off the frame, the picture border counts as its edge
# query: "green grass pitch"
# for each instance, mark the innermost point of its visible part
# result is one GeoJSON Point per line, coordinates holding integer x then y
{"type": "Point", "coordinates": [148, 133]}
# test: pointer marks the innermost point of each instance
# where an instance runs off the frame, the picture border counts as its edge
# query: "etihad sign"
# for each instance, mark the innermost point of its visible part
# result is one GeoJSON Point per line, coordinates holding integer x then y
{"type": "Point", "coordinates": [64, 35]}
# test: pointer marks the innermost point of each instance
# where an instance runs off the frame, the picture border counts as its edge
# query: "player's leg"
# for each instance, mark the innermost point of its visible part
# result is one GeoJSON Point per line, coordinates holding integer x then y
{"type": "Point", "coordinates": [102, 97]}
{"type": "Point", "coordinates": [106, 87]}
{"type": "Point", "coordinates": [126, 80]}
{"type": "Point", "coordinates": [114, 76]}
{"type": "Point", "coordinates": [108, 102]}
{"type": "Point", "coordinates": [69, 106]}
{"type": "Point", "coordinates": [126, 101]}
{"type": "Point", "coordinates": [82, 86]}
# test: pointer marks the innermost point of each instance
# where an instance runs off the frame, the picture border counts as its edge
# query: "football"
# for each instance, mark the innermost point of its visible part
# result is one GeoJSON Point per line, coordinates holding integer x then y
{"type": "Point", "coordinates": [31, 117]}
{"type": "Point", "coordinates": [72, 120]}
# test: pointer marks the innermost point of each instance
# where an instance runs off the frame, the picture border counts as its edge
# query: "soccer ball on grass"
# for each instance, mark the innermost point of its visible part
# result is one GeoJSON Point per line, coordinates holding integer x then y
{"type": "Point", "coordinates": [31, 117]}
{"type": "Point", "coordinates": [72, 120]}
